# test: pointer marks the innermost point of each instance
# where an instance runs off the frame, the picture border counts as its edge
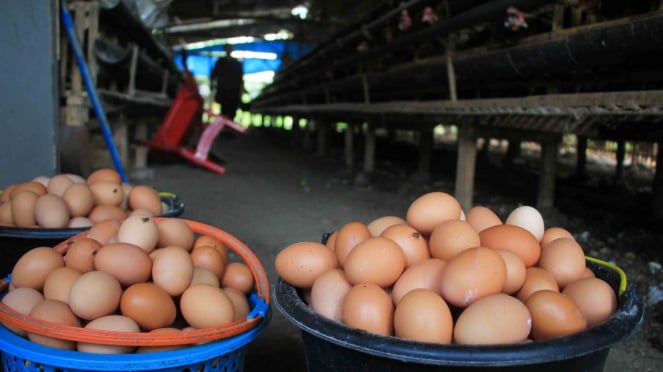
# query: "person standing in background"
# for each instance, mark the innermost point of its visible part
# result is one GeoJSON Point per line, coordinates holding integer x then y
{"type": "Point", "coordinates": [227, 82]}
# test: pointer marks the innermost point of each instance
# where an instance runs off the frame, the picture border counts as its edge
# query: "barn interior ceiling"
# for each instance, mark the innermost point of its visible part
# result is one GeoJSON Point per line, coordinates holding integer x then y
{"type": "Point", "coordinates": [306, 21]}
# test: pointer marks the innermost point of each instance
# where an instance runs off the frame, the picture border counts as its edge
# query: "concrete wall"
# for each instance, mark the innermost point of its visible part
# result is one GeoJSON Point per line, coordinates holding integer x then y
{"type": "Point", "coordinates": [28, 90]}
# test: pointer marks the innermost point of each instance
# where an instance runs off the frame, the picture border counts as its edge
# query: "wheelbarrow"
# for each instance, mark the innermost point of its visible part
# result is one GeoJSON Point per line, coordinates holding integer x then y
{"type": "Point", "coordinates": [184, 117]}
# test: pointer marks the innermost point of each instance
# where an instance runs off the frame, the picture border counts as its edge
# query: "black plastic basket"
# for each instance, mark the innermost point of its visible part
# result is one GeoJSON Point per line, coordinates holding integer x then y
{"type": "Point", "coordinates": [332, 346]}
{"type": "Point", "coordinates": [15, 241]}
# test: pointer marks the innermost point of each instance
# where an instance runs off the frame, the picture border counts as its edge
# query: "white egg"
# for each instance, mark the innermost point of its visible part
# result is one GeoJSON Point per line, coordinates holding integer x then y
{"type": "Point", "coordinates": [529, 218]}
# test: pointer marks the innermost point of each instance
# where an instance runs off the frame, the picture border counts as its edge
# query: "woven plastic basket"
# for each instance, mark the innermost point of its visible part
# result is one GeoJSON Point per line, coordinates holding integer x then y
{"type": "Point", "coordinates": [219, 348]}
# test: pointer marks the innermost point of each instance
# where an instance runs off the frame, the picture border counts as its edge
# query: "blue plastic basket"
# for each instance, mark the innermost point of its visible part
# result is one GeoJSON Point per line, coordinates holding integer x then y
{"type": "Point", "coordinates": [20, 354]}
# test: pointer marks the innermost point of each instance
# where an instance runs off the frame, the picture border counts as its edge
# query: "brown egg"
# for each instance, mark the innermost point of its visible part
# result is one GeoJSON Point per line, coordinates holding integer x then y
{"type": "Point", "coordinates": [58, 283]}
{"type": "Point", "coordinates": [431, 209]}
{"type": "Point", "coordinates": [42, 179]}
{"type": "Point", "coordinates": [328, 292]}
{"type": "Point", "coordinates": [202, 275]}
{"type": "Point", "coordinates": [481, 218]}
{"type": "Point", "coordinates": [107, 193]}
{"type": "Point", "coordinates": [145, 197]}
{"type": "Point", "coordinates": [6, 217]}
{"type": "Point", "coordinates": [426, 274]}
{"type": "Point", "coordinates": [492, 320]}
{"type": "Point", "coordinates": [79, 199]}
{"type": "Point", "coordinates": [126, 187]}
{"type": "Point", "coordinates": [5, 195]}
{"type": "Point", "coordinates": [331, 240]}
{"type": "Point", "coordinates": [75, 178]}
{"type": "Point", "coordinates": [587, 273]}
{"type": "Point", "coordinates": [422, 315]}
{"type": "Point", "coordinates": [140, 231]}
{"type": "Point", "coordinates": [117, 323]}
{"type": "Point", "coordinates": [23, 208]}
{"type": "Point", "coordinates": [301, 263]}
{"type": "Point", "coordinates": [348, 236]}
{"type": "Point", "coordinates": [80, 254]}
{"type": "Point", "coordinates": [106, 212]}
{"type": "Point", "coordinates": [33, 267]}
{"type": "Point", "coordinates": [515, 239]}
{"type": "Point", "coordinates": [451, 237]}
{"type": "Point", "coordinates": [473, 274]}
{"type": "Point", "coordinates": [104, 231]}
{"type": "Point", "coordinates": [149, 305]}
{"type": "Point", "coordinates": [413, 244]}
{"type": "Point", "coordinates": [553, 233]}
{"type": "Point", "coordinates": [36, 187]}
{"type": "Point", "coordinates": [94, 294]}
{"type": "Point", "coordinates": [378, 261]}
{"type": "Point", "coordinates": [368, 307]}
{"type": "Point", "coordinates": [208, 257]}
{"type": "Point", "coordinates": [554, 315]}
{"type": "Point", "coordinates": [564, 259]}
{"type": "Point", "coordinates": [240, 302]}
{"type": "Point", "coordinates": [204, 306]}
{"type": "Point", "coordinates": [515, 271]}
{"type": "Point", "coordinates": [104, 174]}
{"type": "Point", "coordinates": [58, 184]}
{"type": "Point", "coordinates": [536, 279]}
{"type": "Point", "coordinates": [214, 242]}
{"type": "Point", "coordinates": [22, 300]}
{"type": "Point", "coordinates": [172, 270]}
{"type": "Point", "coordinates": [237, 275]}
{"type": "Point", "coordinates": [128, 263]}
{"type": "Point", "coordinates": [378, 225]}
{"type": "Point", "coordinates": [595, 297]}
{"type": "Point", "coordinates": [51, 212]}
{"type": "Point", "coordinates": [174, 231]}
{"type": "Point", "coordinates": [58, 312]}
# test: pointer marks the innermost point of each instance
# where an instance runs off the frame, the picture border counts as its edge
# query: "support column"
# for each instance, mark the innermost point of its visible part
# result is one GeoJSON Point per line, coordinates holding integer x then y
{"type": "Point", "coordinates": [350, 145]}
{"type": "Point", "coordinates": [546, 190]}
{"type": "Point", "coordinates": [581, 156]}
{"type": "Point", "coordinates": [369, 148]}
{"type": "Point", "coordinates": [512, 152]}
{"type": "Point", "coordinates": [657, 185]}
{"type": "Point", "coordinates": [426, 141]}
{"type": "Point", "coordinates": [620, 155]}
{"type": "Point", "coordinates": [465, 165]}
{"type": "Point", "coordinates": [321, 128]}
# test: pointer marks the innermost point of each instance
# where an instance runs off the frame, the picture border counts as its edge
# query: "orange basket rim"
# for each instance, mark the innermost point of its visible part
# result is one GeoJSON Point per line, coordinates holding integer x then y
{"type": "Point", "coordinates": [261, 298]}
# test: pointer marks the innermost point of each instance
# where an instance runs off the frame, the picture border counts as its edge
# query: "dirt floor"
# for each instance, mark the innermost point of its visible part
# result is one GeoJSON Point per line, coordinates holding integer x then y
{"type": "Point", "coordinates": [277, 192]}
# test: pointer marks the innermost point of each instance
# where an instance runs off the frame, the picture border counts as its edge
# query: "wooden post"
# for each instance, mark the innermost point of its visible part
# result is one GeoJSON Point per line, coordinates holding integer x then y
{"type": "Point", "coordinates": [350, 145]}
{"type": "Point", "coordinates": [620, 155]}
{"type": "Point", "coordinates": [546, 190]}
{"type": "Point", "coordinates": [451, 74]}
{"type": "Point", "coordinates": [131, 90]}
{"type": "Point", "coordinates": [657, 185]}
{"type": "Point", "coordinates": [369, 148]}
{"type": "Point", "coordinates": [321, 128]}
{"type": "Point", "coordinates": [121, 138]}
{"type": "Point", "coordinates": [558, 17]}
{"type": "Point", "coordinates": [425, 150]}
{"type": "Point", "coordinates": [140, 133]}
{"type": "Point", "coordinates": [465, 165]}
{"type": "Point", "coordinates": [581, 156]}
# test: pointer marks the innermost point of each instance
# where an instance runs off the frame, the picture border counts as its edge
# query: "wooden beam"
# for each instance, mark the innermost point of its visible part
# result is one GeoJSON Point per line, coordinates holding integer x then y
{"type": "Point", "coordinates": [546, 190]}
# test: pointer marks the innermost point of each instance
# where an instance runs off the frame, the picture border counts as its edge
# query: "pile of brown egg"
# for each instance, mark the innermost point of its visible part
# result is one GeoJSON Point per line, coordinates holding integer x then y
{"type": "Point", "coordinates": [134, 275]}
{"type": "Point", "coordinates": [442, 275]}
{"type": "Point", "coordinates": [71, 201]}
